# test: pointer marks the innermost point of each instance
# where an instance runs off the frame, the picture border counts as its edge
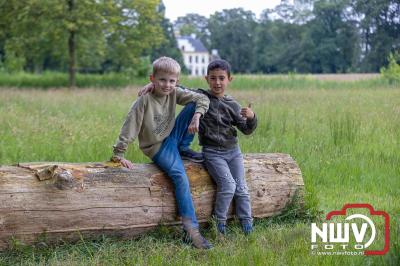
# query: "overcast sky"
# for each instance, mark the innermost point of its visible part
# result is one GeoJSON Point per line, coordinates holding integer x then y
{"type": "Point", "coordinates": [178, 8]}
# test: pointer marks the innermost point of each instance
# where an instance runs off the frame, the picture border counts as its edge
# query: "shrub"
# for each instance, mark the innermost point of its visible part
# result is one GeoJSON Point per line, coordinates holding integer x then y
{"type": "Point", "coordinates": [391, 73]}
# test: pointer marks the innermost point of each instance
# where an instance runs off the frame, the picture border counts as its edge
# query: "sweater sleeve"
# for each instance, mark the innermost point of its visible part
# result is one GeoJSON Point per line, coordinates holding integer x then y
{"type": "Point", "coordinates": [246, 126]}
{"type": "Point", "coordinates": [130, 129]}
{"type": "Point", "coordinates": [185, 96]}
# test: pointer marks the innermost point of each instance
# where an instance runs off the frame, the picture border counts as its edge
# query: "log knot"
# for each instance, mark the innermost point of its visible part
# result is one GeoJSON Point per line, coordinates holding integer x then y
{"type": "Point", "coordinates": [46, 173]}
{"type": "Point", "coordinates": [63, 179]}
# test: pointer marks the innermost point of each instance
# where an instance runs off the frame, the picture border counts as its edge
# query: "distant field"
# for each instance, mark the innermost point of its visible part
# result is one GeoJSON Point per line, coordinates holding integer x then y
{"type": "Point", "coordinates": [331, 77]}
{"type": "Point", "coordinates": [345, 77]}
{"type": "Point", "coordinates": [54, 80]}
{"type": "Point", "coordinates": [346, 142]}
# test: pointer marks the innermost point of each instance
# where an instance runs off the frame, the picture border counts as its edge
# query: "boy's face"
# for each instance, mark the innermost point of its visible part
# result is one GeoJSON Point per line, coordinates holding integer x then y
{"type": "Point", "coordinates": [218, 81]}
{"type": "Point", "coordinates": [164, 83]}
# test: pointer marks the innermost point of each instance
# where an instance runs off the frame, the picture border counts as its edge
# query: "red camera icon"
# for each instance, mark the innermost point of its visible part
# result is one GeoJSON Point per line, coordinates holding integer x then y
{"type": "Point", "coordinates": [372, 212]}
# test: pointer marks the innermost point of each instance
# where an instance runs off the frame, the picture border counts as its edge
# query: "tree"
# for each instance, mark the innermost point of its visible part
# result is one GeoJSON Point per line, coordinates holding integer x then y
{"type": "Point", "coordinates": [75, 189]}
{"type": "Point", "coordinates": [379, 25]}
{"type": "Point", "coordinates": [194, 24]}
{"type": "Point", "coordinates": [294, 11]}
{"type": "Point", "coordinates": [136, 31]}
{"type": "Point", "coordinates": [84, 32]}
{"type": "Point", "coordinates": [332, 39]}
{"type": "Point", "coordinates": [232, 32]}
{"type": "Point", "coordinates": [169, 47]}
{"type": "Point", "coordinates": [324, 41]}
{"type": "Point", "coordinates": [277, 46]}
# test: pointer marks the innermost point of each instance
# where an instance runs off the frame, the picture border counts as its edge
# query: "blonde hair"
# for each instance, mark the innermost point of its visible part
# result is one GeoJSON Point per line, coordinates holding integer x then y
{"type": "Point", "coordinates": [167, 65]}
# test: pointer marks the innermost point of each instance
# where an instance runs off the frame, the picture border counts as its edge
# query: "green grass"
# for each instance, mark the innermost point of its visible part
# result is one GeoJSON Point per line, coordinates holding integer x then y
{"type": "Point", "coordinates": [345, 140]}
{"type": "Point", "coordinates": [294, 82]}
{"type": "Point", "coordinates": [49, 80]}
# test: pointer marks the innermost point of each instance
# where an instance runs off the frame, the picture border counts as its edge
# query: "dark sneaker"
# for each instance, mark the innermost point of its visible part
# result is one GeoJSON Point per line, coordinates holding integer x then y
{"type": "Point", "coordinates": [197, 239]}
{"type": "Point", "coordinates": [221, 228]}
{"type": "Point", "coordinates": [191, 155]}
{"type": "Point", "coordinates": [194, 236]}
{"type": "Point", "coordinates": [247, 228]}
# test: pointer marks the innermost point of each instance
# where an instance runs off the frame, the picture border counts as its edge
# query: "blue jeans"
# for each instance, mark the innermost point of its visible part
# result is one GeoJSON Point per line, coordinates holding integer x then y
{"type": "Point", "coordinates": [227, 169]}
{"type": "Point", "coordinates": [169, 160]}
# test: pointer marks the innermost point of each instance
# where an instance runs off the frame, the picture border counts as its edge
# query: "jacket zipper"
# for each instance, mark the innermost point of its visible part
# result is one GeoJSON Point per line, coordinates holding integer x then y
{"type": "Point", "coordinates": [219, 117]}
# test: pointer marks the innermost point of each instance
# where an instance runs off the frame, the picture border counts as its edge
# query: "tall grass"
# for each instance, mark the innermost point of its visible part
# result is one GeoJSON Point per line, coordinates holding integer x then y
{"type": "Point", "coordinates": [293, 81]}
{"type": "Point", "coordinates": [49, 80]}
{"type": "Point", "coordinates": [346, 142]}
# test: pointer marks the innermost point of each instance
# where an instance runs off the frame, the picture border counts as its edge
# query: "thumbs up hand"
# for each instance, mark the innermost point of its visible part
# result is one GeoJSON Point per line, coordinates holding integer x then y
{"type": "Point", "coordinates": [246, 112]}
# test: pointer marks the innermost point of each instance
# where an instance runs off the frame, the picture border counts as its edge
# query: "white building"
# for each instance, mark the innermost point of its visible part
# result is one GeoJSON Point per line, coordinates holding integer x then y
{"type": "Point", "coordinates": [195, 55]}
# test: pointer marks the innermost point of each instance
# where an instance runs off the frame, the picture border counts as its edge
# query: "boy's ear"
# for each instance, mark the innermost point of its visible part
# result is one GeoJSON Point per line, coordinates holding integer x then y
{"type": "Point", "coordinates": [206, 78]}
{"type": "Point", "coordinates": [151, 77]}
{"type": "Point", "coordinates": [230, 78]}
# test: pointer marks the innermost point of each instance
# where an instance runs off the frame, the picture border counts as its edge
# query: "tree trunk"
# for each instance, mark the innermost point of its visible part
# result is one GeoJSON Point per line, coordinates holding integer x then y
{"type": "Point", "coordinates": [71, 51]}
{"type": "Point", "coordinates": [61, 201]}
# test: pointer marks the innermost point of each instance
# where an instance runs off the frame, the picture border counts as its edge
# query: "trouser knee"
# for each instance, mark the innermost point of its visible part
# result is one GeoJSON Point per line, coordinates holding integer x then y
{"type": "Point", "coordinates": [189, 108]}
{"type": "Point", "coordinates": [227, 188]}
{"type": "Point", "coordinates": [180, 180]}
{"type": "Point", "coordinates": [242, 189]}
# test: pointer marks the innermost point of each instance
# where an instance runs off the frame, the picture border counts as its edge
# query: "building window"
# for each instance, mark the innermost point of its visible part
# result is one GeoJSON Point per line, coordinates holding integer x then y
{"type": "Point", "coordinates": [203, 59]}
{"type": "Point", "coordinates": [190, 59]}
{"type": "Point", "coordinates": [183, 48]}
{"type": "Point", "coordinates": [196, 71]}
{"type": "Point", "coordinates": [197, 59]}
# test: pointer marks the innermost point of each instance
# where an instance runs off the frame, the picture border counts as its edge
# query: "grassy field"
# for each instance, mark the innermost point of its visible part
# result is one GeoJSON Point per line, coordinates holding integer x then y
{"type": "Point", "coordinates": [56, 80]}
{"type": "Point", "coordinates": [346, 140]}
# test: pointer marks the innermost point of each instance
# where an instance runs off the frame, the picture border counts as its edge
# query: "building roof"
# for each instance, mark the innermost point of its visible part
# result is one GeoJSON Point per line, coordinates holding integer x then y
{"type": "Point", "coordinates": [196, 43]}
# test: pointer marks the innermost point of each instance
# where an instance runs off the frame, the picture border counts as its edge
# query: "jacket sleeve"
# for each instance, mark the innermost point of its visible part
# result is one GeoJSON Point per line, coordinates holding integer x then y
{"type": "Point", "coordinates": [185, 96]}
{"type": "Point", "coordinates": [246, 126]}
{"type": "Point", "coordinates": [130, 129]}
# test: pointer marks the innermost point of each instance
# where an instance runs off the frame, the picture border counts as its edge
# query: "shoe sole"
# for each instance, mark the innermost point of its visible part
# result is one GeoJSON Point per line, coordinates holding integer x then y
{"type": "Point", "coordinates": [192, 159]}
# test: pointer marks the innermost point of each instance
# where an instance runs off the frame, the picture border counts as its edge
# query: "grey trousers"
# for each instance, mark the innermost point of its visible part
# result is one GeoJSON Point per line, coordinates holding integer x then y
{"type": "Point", "coordinates": [227, 169]}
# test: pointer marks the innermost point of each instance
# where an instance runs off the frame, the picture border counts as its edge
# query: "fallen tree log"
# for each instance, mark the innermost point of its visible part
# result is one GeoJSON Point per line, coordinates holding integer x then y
{"type": "Point", "coordinates": [64, 201]}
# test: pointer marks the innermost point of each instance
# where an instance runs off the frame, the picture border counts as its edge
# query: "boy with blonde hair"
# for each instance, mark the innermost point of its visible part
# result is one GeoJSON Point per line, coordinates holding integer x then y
{"type": "Point", "coordinates": [164, 139]}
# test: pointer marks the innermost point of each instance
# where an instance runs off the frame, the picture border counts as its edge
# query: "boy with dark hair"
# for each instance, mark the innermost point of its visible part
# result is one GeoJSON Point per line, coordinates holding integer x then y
{"type": "Point", "coordinates": [218, 137]}
{"type": "Point", "coordinates": [163, 138]}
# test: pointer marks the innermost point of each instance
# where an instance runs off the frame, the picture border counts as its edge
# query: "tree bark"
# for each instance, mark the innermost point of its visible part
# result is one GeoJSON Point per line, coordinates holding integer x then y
{"type": "Point", "coordinates": [71, 50]}
{"type": "Point", "coordinates": [65, 201]}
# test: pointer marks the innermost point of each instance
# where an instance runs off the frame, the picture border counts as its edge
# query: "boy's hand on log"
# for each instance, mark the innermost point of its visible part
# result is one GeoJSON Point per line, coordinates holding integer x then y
{"type": "Point", "coordinates": [146, 89]}
{"type": "Point", "coordinates": [246, 112]}
{"type": "Point", "coordinates": [126, 163]}
{"type": "Point", "coordinates": [194, 125]}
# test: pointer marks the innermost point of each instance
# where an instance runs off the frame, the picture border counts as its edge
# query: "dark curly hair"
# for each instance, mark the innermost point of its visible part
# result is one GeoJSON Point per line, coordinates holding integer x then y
{"type": "Point", "coordinates": [219, 64]}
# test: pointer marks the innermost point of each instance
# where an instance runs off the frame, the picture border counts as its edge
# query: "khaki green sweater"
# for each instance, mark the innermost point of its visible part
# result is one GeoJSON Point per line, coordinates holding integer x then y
{"type": "Point", "coordinates": [152, 118]}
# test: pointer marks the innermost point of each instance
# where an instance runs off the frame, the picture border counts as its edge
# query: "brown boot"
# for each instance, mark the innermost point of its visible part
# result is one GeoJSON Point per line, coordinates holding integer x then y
{"type": "Point", "coordinates": [194, 235]}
